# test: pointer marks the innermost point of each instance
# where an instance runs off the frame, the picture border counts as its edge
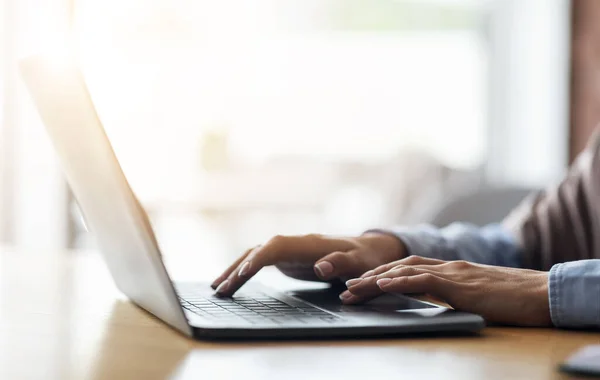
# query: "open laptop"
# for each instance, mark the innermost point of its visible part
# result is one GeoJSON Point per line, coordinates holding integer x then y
{"type": "Point", "coordinates": [131, 252]}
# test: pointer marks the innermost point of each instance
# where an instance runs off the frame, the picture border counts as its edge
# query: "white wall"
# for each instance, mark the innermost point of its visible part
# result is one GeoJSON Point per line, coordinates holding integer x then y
{"type": "Point", "coordinates": [529, 73]}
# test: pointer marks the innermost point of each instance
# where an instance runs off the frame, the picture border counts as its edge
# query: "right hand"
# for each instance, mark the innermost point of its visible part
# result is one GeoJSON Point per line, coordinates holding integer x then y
{"type": "Point", "coordinates": [313, 257]}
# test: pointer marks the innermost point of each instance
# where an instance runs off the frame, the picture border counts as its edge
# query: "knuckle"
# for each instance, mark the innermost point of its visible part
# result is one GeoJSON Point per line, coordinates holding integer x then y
{"type": "Point", "coordinates": [412, 259]}
{"type": "Point", "coordinates": [460, 264]}
{"type": "Point", "coordinates": [277, 240]}
{"type": "Point", "coordinates": [382, 269]}
{"type": "Point", "coordinates": [252, 251]}
{"type": "Point", "coordinates": [336, 255]}
{"type": "Point", "coordinates": [338, 259]}
{"type": "Point", "coordinates": [428, 278]}
{"type": "Point", "coordinates": [386, 273]}
{"type": "Point", "coordinates": [313, 236]}
{"type": "Point", "coordinates": [404, 270]}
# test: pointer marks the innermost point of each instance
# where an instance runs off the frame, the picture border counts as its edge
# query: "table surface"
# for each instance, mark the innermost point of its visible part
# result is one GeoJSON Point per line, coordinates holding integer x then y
{"type": "Point", "coordinates": [62, 318]}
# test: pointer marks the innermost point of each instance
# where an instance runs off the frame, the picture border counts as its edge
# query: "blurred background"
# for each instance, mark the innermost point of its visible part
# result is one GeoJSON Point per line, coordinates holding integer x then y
{"type": "Point", "coordinates": [236, 120]}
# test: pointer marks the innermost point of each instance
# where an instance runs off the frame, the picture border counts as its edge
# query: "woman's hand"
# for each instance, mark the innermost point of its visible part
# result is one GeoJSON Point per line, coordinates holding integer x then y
{"type": "Point", "coordinates": [500, 295]}
{"type": "Point", "coordinates": [312, 257]}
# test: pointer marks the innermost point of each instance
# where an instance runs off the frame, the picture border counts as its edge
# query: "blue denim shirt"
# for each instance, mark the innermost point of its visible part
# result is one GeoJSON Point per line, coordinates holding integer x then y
{"type": "Point", "coordinates": [573, 288]}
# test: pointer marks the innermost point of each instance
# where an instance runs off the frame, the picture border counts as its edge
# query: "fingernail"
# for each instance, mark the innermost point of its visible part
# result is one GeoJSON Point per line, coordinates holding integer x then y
{"type": "Point", "coordinates": [367, 274]}
{"type": "Point", "coordinates": [348, 298]}
{"type": "Point", "coordinates": [384, 282]}
{"type": "Point", "coordinates": [223, 287]}
{"type": "Point", "coordinates": [244, 269]}
{"type": "Point", "coordinates": [345, 295]}
{"type": "Point", "coordinates": [353, 282]}
{"type": "Point", "coordinates": [215, 283]}
{"type": "Point", "coordinates": [324, 269]}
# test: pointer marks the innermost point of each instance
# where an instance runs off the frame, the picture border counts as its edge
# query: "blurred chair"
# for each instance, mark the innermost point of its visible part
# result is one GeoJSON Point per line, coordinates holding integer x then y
{"type": "Point", "coordinates": [484, 206]}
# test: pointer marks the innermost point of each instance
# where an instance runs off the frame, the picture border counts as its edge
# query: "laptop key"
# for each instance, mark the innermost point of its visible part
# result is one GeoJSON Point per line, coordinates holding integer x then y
{"type": "Point", "coordinates": [260, 309]}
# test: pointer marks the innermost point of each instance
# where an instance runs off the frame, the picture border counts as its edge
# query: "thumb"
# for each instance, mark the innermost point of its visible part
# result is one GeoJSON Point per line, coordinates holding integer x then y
{"type": "Point", "coordinates": [336, 264]}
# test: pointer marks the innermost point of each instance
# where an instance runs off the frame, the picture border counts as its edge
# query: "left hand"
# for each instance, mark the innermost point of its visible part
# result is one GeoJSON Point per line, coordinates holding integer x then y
{"type": "Point", "coordinates": [500, 295]}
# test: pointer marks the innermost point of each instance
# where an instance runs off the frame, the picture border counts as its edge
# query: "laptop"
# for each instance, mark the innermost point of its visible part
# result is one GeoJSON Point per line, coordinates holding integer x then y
{"type": "Point", "coordinates": [130, 250]}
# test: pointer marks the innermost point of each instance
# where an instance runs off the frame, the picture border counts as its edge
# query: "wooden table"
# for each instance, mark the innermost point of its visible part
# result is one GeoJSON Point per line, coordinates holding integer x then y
{"type": "Point", "coordinates": [62, 318]}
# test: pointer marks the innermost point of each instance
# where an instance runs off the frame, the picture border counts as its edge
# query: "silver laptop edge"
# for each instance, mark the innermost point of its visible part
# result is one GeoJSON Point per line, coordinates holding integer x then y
{"type": "Point", "coordinates": [109, 205]}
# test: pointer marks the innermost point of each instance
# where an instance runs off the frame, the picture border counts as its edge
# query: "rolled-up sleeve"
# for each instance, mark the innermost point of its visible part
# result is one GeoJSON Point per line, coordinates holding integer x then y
{"type": "Point", "coordinates": [492, 244]}
{"type": "Point", "coordinates": [574, 291]}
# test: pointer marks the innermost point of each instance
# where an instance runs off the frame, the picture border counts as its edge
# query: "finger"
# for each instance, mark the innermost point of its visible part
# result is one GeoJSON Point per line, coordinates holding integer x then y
{"type": "Point", "coordinates": [412, 270]}
{"type": "Point", "coordinates": [410, 260]}
{"type": "Point", "coordinates": [298, 271]}
{"type": "Point", "coordinates": [422, 283]}
{"type": "Point", "coordinates": [307, 248]}
{"type": "Point", "coordinates": [350, 299]}
{"type": "Point", "coordinates": [231, 268]}
{"type": "Point", "coordinates": [367, 287]}
{"type": "Point", "coordinates": [256, 259]}
{"type": "Point", "coordinates": [336, 264]}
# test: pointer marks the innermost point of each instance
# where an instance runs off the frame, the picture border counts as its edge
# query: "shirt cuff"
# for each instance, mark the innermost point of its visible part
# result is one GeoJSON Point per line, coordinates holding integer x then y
{"type": "Point", "coordinates": [574, 292]}
{"type": "Point", "coordinates": [491, 244]}
{"type": "Point", "coordinates": [420, 240]}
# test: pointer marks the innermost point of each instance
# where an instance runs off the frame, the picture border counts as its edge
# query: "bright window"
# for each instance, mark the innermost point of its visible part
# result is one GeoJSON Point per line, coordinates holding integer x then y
{"type": "Point", "coordinates": [253, 114]}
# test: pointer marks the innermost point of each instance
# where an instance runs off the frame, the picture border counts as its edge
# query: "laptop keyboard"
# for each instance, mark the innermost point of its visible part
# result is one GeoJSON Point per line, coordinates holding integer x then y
{"type": "Point", "coordinates": [254, 309]}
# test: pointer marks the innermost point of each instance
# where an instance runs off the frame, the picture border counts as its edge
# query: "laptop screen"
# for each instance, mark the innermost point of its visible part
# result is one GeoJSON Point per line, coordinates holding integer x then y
{"type": "Point", "coordinates": [111, 210]}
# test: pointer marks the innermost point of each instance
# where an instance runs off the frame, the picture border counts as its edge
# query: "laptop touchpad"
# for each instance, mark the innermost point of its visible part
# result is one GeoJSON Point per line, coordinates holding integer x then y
{"type": "Point", "coordinates": [329, 299]}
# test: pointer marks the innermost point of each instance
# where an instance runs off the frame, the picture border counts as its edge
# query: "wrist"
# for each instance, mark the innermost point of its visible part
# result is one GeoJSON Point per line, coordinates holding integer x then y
{"type": "Point", "coordinates": [541, 304]}
{"type": "Point", "coordinates": [386, 242]}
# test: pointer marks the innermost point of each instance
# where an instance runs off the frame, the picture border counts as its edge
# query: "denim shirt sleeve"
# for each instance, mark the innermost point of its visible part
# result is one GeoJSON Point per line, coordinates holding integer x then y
{"type": "Point", "coordinates": [492, 244]}
{"type": "Point", "coordinates": [573, 287]}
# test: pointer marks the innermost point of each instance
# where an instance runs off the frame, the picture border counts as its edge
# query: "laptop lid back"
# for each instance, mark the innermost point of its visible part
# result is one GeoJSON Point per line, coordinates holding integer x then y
{"type": "Point", "coordinates": [108, 204]}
